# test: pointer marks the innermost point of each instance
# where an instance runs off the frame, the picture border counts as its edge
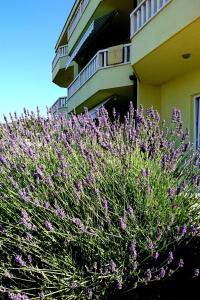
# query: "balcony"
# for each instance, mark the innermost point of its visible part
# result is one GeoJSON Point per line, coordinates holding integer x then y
{"type": "Point", "coordinates": [60, 76]}
{"type": "Point", "coordinates": [77, 16]}
{"type": "Point", "coordinates": [61, 52]}
{"type": "Point", "coordinates": [60, 106]}
{"type": "Point", "coordinates": [162, 31]}
{"type": "Point", "coordinates": [144, 13]}
{"type": "Point", "coordinates": [106, 73]}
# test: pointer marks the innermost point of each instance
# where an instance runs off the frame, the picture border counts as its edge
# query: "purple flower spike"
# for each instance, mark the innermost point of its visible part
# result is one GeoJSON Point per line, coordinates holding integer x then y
{"type": "Point", "coordinates": [183, 230]}
{"type": "Point", "coordinates": [133, 250]}
{"type": "Point", "coordinates": [162, 273]}
{"type": "Point", "coordinates": [181, 263]}
{"type": "Point", "coordinates": [74, 285]}
{"type": "Point", "coordinates": [150, 244]}
{"type": "Point", "coordinates": [1, 229]}
{"type": "Point", "coordinates": [170, 257]}
{"type": "Point", "coordinates": [79, 224]}
{"type": "Point", "coordinates": [196, 273]}
{"type": "Point", "coordinates": [113, 266]}
{"type": "Point", "coordinates": [155, 255]}
{"type": "Point", "coordinates": [3, 160]}
{"type": "Point", "coordinates": [20, 260]}
{"type": "Point", "coordinates": [130, 211]}
{"type": "Point", "coordinates": [48, 226]}
{"type": "Point", "coordinates": [122, 224]}
{"type": "Point", "coordinates": [30, 259]}
{"type": "Point", "coordinates": [119, 285]}
{"type": "Point", "coordinates": [148, 275]}
{"type": "Point", "coordinates": [171, 193]}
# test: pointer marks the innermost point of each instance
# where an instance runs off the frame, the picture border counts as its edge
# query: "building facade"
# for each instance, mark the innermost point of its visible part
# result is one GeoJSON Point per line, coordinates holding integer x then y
{"type": "Point", "coordinates": [114, 51]}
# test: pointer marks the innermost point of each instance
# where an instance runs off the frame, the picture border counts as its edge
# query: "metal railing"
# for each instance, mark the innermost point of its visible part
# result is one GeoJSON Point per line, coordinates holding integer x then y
{"type": "Point", "coordinates": [144, 12]}
{"type": "Point", "coordinates": [61, 52]}
{"type": "Point", "coordinates": [78, 14]}
{"type": "Point", "coordinates": [60, 103]}
{"type": "Point", "coordinates": [99, 61]}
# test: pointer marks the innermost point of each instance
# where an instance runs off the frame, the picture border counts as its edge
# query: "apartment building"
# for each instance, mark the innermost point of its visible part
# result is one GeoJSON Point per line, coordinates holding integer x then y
{"type": "Point", "coordinates": [114, 51]}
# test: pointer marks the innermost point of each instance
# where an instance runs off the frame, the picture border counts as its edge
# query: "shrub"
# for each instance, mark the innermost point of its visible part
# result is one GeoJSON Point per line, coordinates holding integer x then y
{"type": "Point", "coordinates": [94, 208]}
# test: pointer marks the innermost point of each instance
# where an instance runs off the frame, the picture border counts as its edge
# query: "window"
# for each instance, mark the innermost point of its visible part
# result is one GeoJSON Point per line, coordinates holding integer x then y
{"type": "Point", "coordinates": [197, 122]}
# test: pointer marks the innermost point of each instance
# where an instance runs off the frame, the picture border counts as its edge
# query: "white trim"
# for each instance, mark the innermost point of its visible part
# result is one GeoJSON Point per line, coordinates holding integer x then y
{"type": "Point", "coordinates": [197, 121]}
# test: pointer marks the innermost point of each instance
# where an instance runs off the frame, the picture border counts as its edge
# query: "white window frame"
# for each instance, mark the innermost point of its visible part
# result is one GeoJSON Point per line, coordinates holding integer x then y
{"type": "Point", "coordinates": [197, 121]}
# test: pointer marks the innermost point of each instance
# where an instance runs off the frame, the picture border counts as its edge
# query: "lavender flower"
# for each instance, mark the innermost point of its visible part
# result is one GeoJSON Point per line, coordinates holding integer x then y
{"type": "Point", "coordinates": [122, 224]}
{"type": "Point", "coordinates": [1, 229]}
{"type": "Point", "coordinates": [119, 285]}
{"type": "Point", "coordinates": [79, 224]}
{"type": "Point", "coordinates": [48, 226]}
{"type": "Point", "coordinates": [196, 273]}
{"type": "Point", "coordinates": [150, 244]}
{"type": "Point", "coordinates": [183, 230]}
{"type": "Point", "coordinates": [3, 160]}
{"type": "Point", "coordinates": [155, 255]}
{"type": "Point", "coordinates": [181, 263]}
{"type": "Point", "coordinates": [20, 261]}
{"type": "Point", "coordinates": [162, 273]}
{"type": "Point", "coordinates": [29, 237]}
{"type": "Point", "coordinates": [113, 266]}
{"type": "Point", "coordinates": [148, 275]}
{"type": "Point", "coordinates": [171, 193]}
{"type": "Point", "coordinates": [133, 250]}
{"type": "Point", "coordinates": [30, 259]}
{"type": "Point", "coordinates": [170, 257]}
{"type": "Point", "coordinates": [18, 296]}
{"type": "Point", "coordinates": [47, 205]}
{"type": "Point", "coordinates": [74, 285]}
{"type": "Point", "coordinates": [130, 211]}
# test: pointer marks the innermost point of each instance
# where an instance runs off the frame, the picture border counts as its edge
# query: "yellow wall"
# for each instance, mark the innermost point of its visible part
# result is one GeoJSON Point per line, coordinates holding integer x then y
{"type": "Point", "coordinates": [177, 93]}
{"type": "Point", "coordinates": [169, 21]}
{"type": "Point", "coordinates": [149, 95]}
{"type": "Point", "coordinates": [180, 93]}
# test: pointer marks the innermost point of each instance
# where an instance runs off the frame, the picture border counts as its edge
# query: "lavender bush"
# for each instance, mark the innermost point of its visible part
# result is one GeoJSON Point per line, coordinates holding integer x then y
{"type": "Point", "coordinates": [93, 208]}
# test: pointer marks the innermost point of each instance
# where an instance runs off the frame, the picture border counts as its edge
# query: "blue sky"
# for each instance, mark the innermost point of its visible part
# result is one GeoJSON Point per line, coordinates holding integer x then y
{"type": "Point", "coordinates": [28, 33]}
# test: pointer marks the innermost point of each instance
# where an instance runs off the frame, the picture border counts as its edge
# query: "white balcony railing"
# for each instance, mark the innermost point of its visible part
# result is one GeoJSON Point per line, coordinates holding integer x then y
{"type": "Point", "coordinates": [78, 14]}
{"type": "Point", "coordinates": [61, 52]}
{"type": "Point", "coordinates": [144, 12]}
{"type": "Point", "coordinates": [99, 61]}
{"type": "Point", "coordinates": [60, 103]}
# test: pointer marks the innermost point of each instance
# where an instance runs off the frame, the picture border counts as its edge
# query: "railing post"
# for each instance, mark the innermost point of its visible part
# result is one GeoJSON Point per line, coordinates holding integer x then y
{"type": "Point", "coordinates": [142, 14]}
{"type": "Point", "coordinates": [152, 7]}
{"type": "Point", "coordinates": [158, 4]}
{"type": "Point", "coordinates": [148, 9]}
{"type": "Point", "coordinates": [138, 19]}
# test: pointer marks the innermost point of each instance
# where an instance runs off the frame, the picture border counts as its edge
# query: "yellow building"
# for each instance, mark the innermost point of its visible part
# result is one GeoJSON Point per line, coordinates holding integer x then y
{"type": "Point", "coordinates": [114, 51]}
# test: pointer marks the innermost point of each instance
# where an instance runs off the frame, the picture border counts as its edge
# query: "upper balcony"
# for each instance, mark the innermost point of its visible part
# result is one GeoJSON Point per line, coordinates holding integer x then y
{"type": "Point", "coordinates": [162, 32]}
{"type": "Point", "coordinates": [77, 16]}
{"type": "Point", "coordinates": [60, 106]}
{"type": "Point", "coordinates": [60, 76]}
{"type": "Point", "coordinates": [106, 74]}
{"type": "Point", "coordinates": [84, 12]}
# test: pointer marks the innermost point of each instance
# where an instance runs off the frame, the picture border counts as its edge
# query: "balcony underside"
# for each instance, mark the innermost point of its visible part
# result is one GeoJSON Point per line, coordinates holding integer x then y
{"type": "Point", "coordinates": [60, 75]}
{"type": "Point", "coordinates": [166, 62]}
{"type": "Point", "coordinates": [112, 81]}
